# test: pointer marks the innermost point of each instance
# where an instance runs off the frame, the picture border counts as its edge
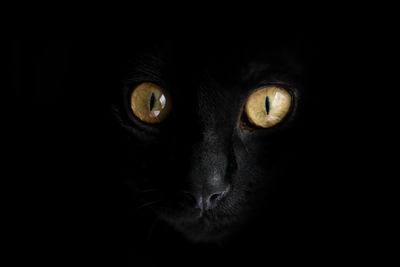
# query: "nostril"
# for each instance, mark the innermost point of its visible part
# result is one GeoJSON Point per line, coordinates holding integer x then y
{"type": "Point", "coordinates": [203, 202]}
{"type": "Point", "coordinates": [215, 196]}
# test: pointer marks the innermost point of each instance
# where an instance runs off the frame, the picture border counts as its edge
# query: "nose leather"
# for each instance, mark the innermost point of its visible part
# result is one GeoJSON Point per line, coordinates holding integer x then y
{"type": "Point", "coordinates": [208, 200]}
{"type": "Point", "coordinates": [207, 177]}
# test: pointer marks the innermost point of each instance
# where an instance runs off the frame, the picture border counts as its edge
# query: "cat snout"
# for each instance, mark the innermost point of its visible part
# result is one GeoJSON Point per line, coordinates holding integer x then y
{"type": "Point", "coordinates": [207, 199]}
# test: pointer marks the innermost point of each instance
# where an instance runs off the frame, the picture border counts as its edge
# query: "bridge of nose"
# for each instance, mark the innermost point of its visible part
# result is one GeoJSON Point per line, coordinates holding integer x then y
{"type": "Point", "coordinates": [210, 153]}
{"type": "Point", "coordinates": [207, 177]}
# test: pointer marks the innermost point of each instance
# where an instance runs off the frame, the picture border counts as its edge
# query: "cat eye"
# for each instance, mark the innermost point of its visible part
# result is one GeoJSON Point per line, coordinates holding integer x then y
{"type": "Point", "coordinates": [268, 106]}
{"type": "Point", "coordinates": [150, 103]}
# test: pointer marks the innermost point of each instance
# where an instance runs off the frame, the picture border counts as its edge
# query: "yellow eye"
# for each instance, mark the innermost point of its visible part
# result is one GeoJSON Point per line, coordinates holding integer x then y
{"type": "Point", "coordinates": [267, 106]}
{"type": "Point", "coordinates": [150, 103]}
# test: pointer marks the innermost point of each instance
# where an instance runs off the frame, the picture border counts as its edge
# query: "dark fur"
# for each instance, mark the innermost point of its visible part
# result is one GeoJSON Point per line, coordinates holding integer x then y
{"type": "Point", "coordinates": [207, 133]}
{"type": "Point", "coordinates": [296, 191]}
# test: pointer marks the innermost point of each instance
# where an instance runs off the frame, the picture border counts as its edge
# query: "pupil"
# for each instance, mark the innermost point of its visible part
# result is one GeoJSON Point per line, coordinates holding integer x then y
{"type": "Point", "coordinates": [152, 99]}
{"type": "Point", "coordinates": [267, 105]}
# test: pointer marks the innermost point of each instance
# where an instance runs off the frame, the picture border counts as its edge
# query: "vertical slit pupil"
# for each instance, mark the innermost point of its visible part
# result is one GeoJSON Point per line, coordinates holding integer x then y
{"type": "Point", "coordinates": [152, 99]}
{"type": "Point", "coordinates": [267, 105]}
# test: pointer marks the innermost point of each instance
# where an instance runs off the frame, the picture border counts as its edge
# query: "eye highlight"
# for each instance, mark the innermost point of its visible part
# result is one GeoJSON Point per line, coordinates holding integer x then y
{"type": "Point", "coordinates": [268, 106]}
{"type": "Point", "coordinates": [150, 103]}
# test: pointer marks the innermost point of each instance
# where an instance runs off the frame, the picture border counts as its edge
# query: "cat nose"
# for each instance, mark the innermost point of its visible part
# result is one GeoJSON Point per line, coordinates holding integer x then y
{"type": "Point", "coordinates": [206, 200]}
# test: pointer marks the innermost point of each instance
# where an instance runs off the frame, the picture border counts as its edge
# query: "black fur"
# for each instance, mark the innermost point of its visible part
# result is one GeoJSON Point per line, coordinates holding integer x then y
{"type": "Point", "coordinates": [93, 181]}
{"type": "Point", "coordinates": [207, 135]}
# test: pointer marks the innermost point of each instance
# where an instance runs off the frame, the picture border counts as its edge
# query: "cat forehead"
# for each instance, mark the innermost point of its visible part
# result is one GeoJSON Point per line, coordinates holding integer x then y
{"type": "Point", "coordinates": [223, 69]}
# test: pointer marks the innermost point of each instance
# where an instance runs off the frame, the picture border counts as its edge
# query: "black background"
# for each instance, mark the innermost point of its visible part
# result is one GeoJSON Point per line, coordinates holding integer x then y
{"type": "Point", "coordinates": [68, 204]}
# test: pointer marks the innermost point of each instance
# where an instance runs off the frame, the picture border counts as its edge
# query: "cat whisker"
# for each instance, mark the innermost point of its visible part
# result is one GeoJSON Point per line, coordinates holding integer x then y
{"type": "Point", "coordinates": [147, 204]}
{"type": "Point", "coordinates": [151, 230]}
{"type": "Point", "coordinates": [150, 190]}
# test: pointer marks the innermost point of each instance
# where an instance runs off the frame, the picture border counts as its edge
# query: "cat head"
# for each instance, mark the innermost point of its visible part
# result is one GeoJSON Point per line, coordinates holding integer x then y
{"type": "Point", "coordinates": [209, 132]}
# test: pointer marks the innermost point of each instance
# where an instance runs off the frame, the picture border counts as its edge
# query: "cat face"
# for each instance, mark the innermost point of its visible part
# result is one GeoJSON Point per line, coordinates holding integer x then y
{"type": "Point", "coordinates": [208, 133]}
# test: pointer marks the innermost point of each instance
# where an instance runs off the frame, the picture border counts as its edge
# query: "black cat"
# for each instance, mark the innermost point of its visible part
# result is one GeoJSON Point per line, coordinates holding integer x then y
{"type": "Point", "coordinates": [210, 150]}
{"type": "Point", "coordinates": [212, 133]}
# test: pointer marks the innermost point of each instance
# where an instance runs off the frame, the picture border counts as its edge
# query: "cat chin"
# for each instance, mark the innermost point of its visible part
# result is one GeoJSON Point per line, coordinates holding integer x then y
{"type": "Point", "coordinates": [202, 229]}
{"type": "Point", "coordinates": [218, 225]}
{"type": "Point", "coordinates": [204, 237]}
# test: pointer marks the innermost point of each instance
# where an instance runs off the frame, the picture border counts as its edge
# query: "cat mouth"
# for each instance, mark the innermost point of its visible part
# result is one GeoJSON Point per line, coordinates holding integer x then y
{"type": "Point", "coordinates": [198, 224]}
{"type": "Point", "coordinates": [192, 217]}
{"type": "Point", "coordinates": [199, 217]}
{"type": "Point", "coordinates": [201, 226]}
{"type": "Point", "coordinates": [204, 220]}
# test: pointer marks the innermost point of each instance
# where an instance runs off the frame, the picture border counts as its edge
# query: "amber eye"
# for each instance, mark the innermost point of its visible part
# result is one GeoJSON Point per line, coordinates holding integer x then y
{"type": "Point", "coordinates": [267, 106]}
{"type": "Point", "coordinates": [150, 103]}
